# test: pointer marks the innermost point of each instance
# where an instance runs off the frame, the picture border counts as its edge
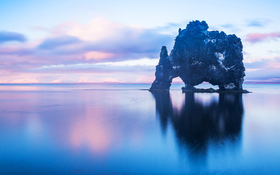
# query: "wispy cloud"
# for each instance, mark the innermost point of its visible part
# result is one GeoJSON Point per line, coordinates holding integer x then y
{"type": "Point", "coordinates": [259, 37]}
{"type": "Point", "coordinates": [141, 65]}
{"type": "Point", "coordinates": [228, 27]}
{"type": "Point", "coordinates": [256, 23]}
{"type": "Point", "coordinates": [265, 63]}
{"type": "Point", "coordinates": [172, 27]}
{"type": "Point", "coordinates": [52, 43]}
{"type": "Point", "coordinates": [263, 75]}
{"type": "Point", "coordinates": [263, 70]}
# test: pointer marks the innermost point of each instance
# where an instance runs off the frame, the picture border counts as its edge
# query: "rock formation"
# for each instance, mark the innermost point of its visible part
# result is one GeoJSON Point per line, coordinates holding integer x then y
{"type": "Point", "coordinates": [164, 70]}
{"type": "Point", "coordinates": [200, 56]}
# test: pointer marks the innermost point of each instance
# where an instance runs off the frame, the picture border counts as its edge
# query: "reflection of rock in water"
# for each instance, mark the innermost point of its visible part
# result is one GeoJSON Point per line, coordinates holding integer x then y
{"type": "Point", "coordinates": [197, 124]}
{"type": "Point", "coordinates": [163, 107]}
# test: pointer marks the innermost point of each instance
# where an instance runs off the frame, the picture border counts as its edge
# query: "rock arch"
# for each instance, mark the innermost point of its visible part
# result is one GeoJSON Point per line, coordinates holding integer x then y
{"type": "Point", "coordinates": [200, 55]}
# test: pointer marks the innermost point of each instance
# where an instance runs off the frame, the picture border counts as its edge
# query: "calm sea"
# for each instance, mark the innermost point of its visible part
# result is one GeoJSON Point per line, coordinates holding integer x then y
{"type": "Point", "coordinates": [125, 129]}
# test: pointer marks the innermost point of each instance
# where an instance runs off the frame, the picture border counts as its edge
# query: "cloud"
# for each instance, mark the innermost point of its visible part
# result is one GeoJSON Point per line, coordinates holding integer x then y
{"type": "Point", "coordinates": [171, 27]}
{"type": "Point", "coordinates": [256, 23]}
{"type": "Point", "coordinates": [26, 80]}
{"type": "Point", "coordinates": [52, 43]}
{"type": "Point", "coordinates": [101, 40]}
{"type": "Point", "coordinates": [263, 70]}
{"type": "Point", "coordinates": [228, 27]}
{"type": "Point", "coordinates": [102, 50]}
{"type": "Point", "coordinates": [263, 75]}
{"type": "Point", "coordinates": [264, 63]}
{"type": "Point", "coordinates": [133, 71]}
{"type": "Point", "coordinates": [6, 36]}
{"type": "Point", "coordinates": [141, 65]}
{"type": "Point", "coordinates": [98, 41]}
{"type": "Point", "coordinates": [97, 55]}
{"type": "Point", "coordinates": [259, 37]}
{"type": "Point", "coordinates": [124, 42]}
{"type": "Point", "coordinates": [18, 51]}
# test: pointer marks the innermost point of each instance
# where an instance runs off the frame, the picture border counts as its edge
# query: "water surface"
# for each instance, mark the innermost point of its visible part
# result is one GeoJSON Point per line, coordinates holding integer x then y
{"type": "Point", "coordinates": [123, 129]}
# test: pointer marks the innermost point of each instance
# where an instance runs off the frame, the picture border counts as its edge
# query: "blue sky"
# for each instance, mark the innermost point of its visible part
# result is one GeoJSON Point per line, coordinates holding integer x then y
{"type": "Point", "coordinates": [119, 41]}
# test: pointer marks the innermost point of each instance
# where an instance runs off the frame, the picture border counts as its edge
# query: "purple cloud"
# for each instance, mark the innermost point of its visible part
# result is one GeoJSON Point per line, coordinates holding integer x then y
{"type": "Point", "coordinates": [264, 69]}
{"type": "Point", "coordinates": [265, 75]}
{"type": "Point", "coordinates": [264, 63]}
{"type": "Point", "coordinates": [9, 51]}
{"type": "Point", "coordinates": [52, 43]}
{"type": "Point", "coordinates": [6, 36]}
{"type": "Point", "coordinates": [133, 45]}
{"type": "Point", "coordinates": [129, 44]}
{"type": "Point", "coordinates": [259, 37]}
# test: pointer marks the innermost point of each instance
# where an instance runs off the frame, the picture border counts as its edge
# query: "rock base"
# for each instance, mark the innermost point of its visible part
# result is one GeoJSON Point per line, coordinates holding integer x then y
{"type": "Point", "coordinates": [211, 90]}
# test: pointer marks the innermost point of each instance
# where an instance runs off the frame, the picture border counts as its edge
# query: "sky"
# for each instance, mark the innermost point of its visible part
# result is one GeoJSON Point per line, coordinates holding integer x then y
{"type": "Point", "coordinates": [106, 41]}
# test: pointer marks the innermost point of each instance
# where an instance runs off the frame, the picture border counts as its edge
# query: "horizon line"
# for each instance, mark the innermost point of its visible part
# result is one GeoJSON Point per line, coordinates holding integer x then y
{"type": "Point", "coordinates": [112, 83]}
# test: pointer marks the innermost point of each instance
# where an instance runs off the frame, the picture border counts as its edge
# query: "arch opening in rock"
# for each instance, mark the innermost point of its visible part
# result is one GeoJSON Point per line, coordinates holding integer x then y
{"type": "Point", "coordinates": [206, 85]}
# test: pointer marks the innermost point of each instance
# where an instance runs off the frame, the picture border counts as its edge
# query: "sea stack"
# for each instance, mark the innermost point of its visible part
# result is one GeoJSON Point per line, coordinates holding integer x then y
{"type": "Point", "coordinates": [198, 56]}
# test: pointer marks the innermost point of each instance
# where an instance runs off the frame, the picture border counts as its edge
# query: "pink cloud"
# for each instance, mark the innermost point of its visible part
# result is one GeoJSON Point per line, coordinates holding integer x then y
{"type": "Point", "coordinates": [95, 55]}
{"type": "Point", "coordinates": [26, 80]}
{"type": "Point", "coordinates": [259, 37]}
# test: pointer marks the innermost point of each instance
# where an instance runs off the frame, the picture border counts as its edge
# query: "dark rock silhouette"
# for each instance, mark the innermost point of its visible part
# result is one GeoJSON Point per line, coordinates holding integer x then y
{"type": "Point", "coordinates": [164, 71]}
{"type": "Point", "coordinates": [195, 124]}
{"type": "Point", "coordinates": [200, 55]}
